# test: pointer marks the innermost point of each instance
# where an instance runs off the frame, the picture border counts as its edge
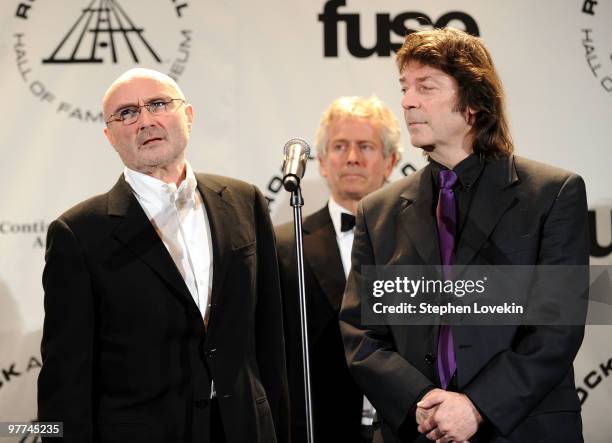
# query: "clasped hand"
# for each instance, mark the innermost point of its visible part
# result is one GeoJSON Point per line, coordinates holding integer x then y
{"type": "Point", "coordinates": [447, 417]}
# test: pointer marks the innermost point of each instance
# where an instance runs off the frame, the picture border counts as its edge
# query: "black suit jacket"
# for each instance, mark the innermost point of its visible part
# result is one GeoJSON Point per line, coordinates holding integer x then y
{"type": "Point", "coordinates": [126, 357]}
{"type": "Point", "coordinates": [520, 378]}
{"type": "Point", "coordinates": [337, 400]}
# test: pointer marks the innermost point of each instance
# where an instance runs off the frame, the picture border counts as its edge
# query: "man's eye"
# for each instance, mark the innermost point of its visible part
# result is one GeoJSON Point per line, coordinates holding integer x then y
{"type": "Point", "coordinates": [157, 105]}
{"type": "Point", "coordinates": [127, 113]}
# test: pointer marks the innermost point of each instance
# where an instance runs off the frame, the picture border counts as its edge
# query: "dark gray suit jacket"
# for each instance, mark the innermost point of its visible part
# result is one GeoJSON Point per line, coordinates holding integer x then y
{"type": "Point", "coordinates": [126, 357]}
{"type": "Point", "coordinates": [336, 398]}
{"type": "Point", "coordinates": [519, 377]}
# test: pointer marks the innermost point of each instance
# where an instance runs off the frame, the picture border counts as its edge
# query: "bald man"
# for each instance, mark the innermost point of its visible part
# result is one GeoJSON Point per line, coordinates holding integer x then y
{"type": "Point", "coordinates": [162, 300]}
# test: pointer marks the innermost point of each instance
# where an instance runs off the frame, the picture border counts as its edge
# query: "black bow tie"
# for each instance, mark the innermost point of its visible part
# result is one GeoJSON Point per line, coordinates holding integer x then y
{"type": "Point", "coordinates": [347, 222]}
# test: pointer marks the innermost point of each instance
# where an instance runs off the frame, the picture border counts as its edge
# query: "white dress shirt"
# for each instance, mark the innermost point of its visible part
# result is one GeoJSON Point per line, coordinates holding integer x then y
{"type": "Point", "coordinates": [344, 239]}
{"type": "Point", "coordinates": [345, 244]}
{"type": "Point", "coordinates": [179, 217]}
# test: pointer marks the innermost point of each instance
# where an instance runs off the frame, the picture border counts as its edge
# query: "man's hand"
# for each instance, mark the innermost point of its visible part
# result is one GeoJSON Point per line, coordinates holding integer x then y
{"type": "Point", "coordinates": [424, 417]}
{"type": "Point", "coordinates": [447, 416]}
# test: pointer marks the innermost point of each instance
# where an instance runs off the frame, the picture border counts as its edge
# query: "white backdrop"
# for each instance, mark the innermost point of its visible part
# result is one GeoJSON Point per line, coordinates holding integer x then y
{"type": "Point", "coordinates": [257, 74]}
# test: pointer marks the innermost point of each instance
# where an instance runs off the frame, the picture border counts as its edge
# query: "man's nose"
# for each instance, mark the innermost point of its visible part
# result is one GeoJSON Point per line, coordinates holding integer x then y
{"type": "Point", "coordinates": [409, 99]}
{"type": "Point", "coordinates": [354, 154]}
{"type": "Point", "coordinates": [145, 118]}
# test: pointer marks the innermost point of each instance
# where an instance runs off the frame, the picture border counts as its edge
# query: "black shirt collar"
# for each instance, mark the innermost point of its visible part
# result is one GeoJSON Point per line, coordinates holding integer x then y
{"type": "Point", "coordinates": [468, 170]}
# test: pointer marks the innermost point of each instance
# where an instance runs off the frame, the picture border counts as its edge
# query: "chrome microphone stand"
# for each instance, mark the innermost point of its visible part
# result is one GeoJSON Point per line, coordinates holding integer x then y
{"type": "Point", "coordinates": [297, 202]}
{"type": "Point", "coordinates": [297, 152]}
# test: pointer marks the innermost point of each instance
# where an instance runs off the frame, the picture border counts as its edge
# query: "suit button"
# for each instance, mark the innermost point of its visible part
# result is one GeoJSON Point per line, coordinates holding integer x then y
{"type": "Point", "coordinates": [430, 358]}
{"type": "Point", "coordinates": [202, 403]}
{"type": "Point", "coordinates": [210, 352]}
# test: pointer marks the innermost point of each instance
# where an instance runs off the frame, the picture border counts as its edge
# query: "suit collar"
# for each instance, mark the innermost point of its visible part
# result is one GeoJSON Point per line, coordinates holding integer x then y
{"type": "Point", "coordinates": [495, 194]}
{"type": "Point", "coordinates": [120, 198]}
{"type": "Point", "coordinates": [416, 216]}
{"type": "Point", "coordinates": [316, 221]}
{"type": "Point", "coordinates": [137, 233]}
{"type": "Point", "coordinates": [323, 256]}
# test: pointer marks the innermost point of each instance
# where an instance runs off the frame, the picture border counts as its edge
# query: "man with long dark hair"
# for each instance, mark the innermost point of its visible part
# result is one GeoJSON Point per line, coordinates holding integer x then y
{"type": "Point", "coordinates": [475, 203]}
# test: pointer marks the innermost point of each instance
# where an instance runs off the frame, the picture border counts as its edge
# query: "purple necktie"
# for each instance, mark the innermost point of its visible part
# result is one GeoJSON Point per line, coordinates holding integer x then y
{"type": "Point", "coordinates": [446, 218]}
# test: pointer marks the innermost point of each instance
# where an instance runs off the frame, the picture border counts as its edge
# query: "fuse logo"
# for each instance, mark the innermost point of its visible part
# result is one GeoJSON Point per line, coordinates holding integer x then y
{"type": "Point", "coordinates": [386, 26]}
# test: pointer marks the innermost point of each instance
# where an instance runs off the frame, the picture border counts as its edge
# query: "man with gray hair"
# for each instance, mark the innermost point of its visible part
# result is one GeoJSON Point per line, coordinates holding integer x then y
{"type": "Point", "coordinates": [163, 318]}
{"type": "Point", "coordinates": [357, 148]}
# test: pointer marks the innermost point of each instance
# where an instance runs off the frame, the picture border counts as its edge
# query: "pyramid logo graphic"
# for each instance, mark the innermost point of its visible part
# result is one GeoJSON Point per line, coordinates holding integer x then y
{"type": "Point", "coordinates": [102, 30]}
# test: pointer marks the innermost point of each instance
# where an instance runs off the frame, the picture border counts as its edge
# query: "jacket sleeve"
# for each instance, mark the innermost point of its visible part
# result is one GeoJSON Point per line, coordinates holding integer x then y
{"type": "Point", "coordinates": [65, 380]}
{"type": "Point", "coordinates": [270, 343]}
{"type": "Point", "coordinates": [524, 374]}
{"type": "Point", "coordinates": [390, 382]}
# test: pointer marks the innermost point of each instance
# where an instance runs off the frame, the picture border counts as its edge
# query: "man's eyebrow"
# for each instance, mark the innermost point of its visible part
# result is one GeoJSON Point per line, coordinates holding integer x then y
{"type": "Point", "coordinates": [402, 79]}
{"type": "Point", "coordinates": [346, 140]}
{"type": "Point", "coordinates": [339, 140]}
{"type": "Point", "coordinates": [158, 97]}
{"type": "Point", "coordinates": [124, 105]}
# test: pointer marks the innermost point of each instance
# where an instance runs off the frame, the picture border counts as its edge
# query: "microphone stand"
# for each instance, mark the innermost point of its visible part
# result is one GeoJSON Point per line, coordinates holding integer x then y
{"type": "Point", "coordinates": [297, 202]}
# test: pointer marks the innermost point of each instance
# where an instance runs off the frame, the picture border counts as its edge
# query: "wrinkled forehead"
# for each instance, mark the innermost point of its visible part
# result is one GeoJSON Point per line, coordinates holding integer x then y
{"type": "Point", "coordinates": [354, 121]}
{"type": "Point", "coordinates": [137, 90]}
{"type": "Point", "coordinates": [355, 128]}
{"type": "Point", "coordinates": [415, 72]}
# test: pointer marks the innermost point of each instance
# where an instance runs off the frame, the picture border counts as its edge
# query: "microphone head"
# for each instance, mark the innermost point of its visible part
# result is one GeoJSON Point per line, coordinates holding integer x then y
{"type": "Point", "coordinates": [296, 153]}
{"type": "Point", "coordinates": [304, 147]}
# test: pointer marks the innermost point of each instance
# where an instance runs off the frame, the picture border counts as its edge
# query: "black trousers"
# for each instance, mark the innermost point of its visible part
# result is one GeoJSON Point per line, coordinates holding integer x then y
{"type": "Point", "coordinates": [217, 434]}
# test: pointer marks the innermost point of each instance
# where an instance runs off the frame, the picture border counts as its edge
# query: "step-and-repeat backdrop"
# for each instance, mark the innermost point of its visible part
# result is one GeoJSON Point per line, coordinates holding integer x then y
{"type": "Point", "coordinates": [257, 74]}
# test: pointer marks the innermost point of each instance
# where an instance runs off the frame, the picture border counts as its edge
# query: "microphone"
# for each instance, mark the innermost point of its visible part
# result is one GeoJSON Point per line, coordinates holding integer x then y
{"type": "Point", "coordinates": [296, 153]}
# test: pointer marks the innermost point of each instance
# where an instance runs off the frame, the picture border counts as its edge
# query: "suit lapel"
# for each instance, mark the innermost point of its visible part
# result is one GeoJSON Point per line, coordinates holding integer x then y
{"type": "Point", "coordinates": [221, 220]}
{"type": "Point", "coordinates": [416, 217]}
{"type": "Point", "coordinates": [137, 233]}
{"type": "Point", "coordinates": [418, 223]}
{"type": "Point", "coordinates": [494, 195]}
{"type": "Point", "coordinates": [322, 254]}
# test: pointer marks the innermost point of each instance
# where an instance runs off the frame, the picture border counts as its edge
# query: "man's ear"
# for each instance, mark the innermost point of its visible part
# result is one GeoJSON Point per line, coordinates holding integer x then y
{"type": "Point", "coordinates": [470, 115]}
{"type": "Point", "coordinates": [109, 136]}
{"type": "Point", "coordinates": [322, 166]}
{"type": "Point", "coordinates": [189, 114]}
{"type": "Point", "coordinates": [390, 163]}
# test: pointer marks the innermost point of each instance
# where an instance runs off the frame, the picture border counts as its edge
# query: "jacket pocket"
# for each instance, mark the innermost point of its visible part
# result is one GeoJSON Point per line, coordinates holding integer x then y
{"type": "Point", "coordinates": [245, 250]}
